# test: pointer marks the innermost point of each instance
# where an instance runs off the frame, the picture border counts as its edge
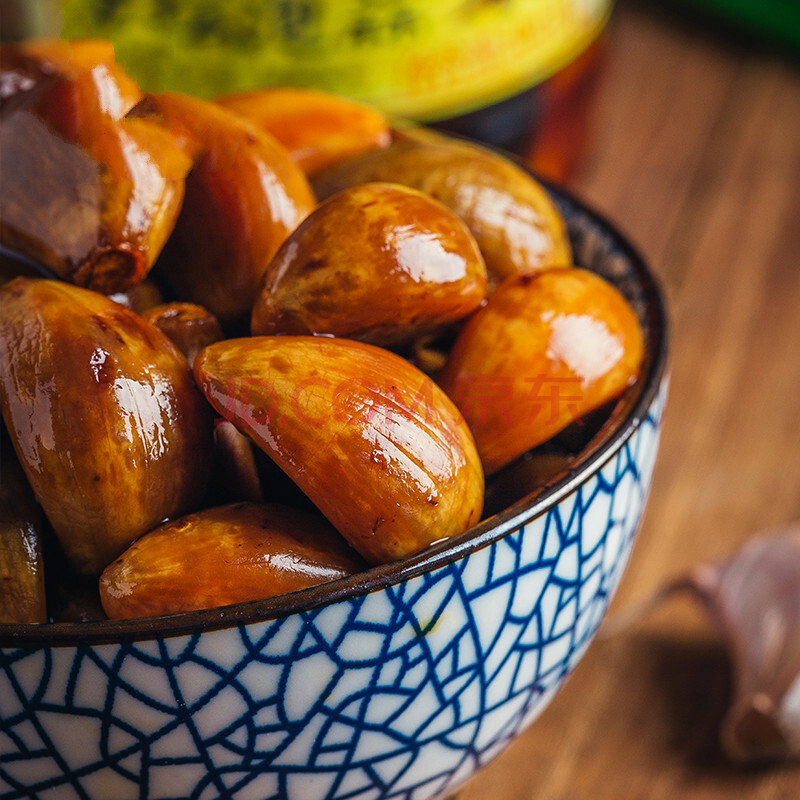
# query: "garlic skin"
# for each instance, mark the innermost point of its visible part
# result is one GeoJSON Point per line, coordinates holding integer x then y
{"type": "Point", "coordinates": [753, 600]}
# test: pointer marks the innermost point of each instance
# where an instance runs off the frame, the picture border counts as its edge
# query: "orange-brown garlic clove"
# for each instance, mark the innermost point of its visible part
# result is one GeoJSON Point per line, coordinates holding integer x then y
{"type": "Point", "coordinates": [317, 128]}
{"type": "Point", "coordinates": [97, 211]}
{"type": "Point", "coordinates": [76, 104]}
{"type": "Point", "coordinates": [91, 195]}
{"type": "Point", "coordinates": [371, 440]}
{"type": "Point", "coordinates": [224, 555]}
{"type": "Point", "coordinates": [244, 196]}
{"type": "Point", "coordinates": [547, 348]}
{"type": "Point", "coordinates": [516, 224]}
{"type": "Point", "coordinates": [379, 262]}
{"type": "Point", "coordinates": [103, 413]}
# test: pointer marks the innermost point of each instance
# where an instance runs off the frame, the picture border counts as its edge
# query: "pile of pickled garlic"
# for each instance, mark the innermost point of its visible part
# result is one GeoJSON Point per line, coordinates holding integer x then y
{"type": "Point", "coordinates": [256, 344]}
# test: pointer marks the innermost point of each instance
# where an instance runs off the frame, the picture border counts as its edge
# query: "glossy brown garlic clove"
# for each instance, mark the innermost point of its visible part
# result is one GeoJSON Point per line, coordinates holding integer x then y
{"type": "Point", "coordinates": [317, 128]}
{"type": "Point", "coordinates": [222, 556]}
{"type": "Point", "coordinates": [547, 348]}
{"type": "Point", "coordinates": [22, 587]}
{"type": "Point", "coordinates": [79, 103]}
{"type": "Point", "coordinates": [379, 262]}
{"type": "Point", "coordinates": [189, 326]}
{"type": "Point", "coordinates": [516, 224]}
{"type": "Point", "coordinates": [95, 212]}
{"type": "Point", "coordinates": [371, 440]}
{"type": "Point", "coordinates": [243, 198]}
{"type": "Point", "coordinates": [96, 202]}
{"type": "Point", "coordinates": [104, 415]}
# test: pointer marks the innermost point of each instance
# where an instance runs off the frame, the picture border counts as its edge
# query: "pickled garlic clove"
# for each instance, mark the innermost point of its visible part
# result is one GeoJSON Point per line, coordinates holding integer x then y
{"type": "Point", "coordinates": [103, 412]}
{"type": "Point", "coordinates": [318, 129]}
{"type": "Point", "coordinates": [407, 267]}
{"type": "Point", "coordinates": [547, 348]}
{"type": "Point", "coordinates": [219, 556]}
{"type": "Point", "coordinates": [244, 196]}
{"type": "Point", "coordinates": [369, 439]}
{"type": "Point", "coordinates": [517, 226]}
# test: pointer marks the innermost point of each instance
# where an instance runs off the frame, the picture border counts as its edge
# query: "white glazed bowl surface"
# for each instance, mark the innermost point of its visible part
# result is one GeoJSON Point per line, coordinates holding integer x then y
{"type": "Point", "coordinates": [398, 683]}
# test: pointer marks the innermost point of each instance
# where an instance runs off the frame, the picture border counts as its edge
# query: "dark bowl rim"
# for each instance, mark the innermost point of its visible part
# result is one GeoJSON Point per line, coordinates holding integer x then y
{"type": "Point", "coordinates": [630, 412]}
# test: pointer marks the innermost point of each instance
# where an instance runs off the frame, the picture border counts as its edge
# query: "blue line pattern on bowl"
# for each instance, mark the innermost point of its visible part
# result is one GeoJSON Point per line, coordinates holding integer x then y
{"type": "Point", "coordinates": [400, 693]}
{"type": "Point", "coordinates": [397, 684]}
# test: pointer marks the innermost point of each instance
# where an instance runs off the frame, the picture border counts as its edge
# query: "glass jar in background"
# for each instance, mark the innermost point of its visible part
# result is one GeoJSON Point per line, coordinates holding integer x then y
{"type": "Point", "coordinates": [548, 125]}
{"type": "Point", "coordinates": [514, 73]}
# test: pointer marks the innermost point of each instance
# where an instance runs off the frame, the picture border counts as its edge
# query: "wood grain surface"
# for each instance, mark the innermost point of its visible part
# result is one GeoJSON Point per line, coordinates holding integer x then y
{"type": "Point", "coordinates": [695, 153]}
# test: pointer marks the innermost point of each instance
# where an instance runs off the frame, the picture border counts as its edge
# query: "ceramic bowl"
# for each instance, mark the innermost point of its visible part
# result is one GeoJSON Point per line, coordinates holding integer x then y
{"type": "Point", "coordinates": [399, 682]}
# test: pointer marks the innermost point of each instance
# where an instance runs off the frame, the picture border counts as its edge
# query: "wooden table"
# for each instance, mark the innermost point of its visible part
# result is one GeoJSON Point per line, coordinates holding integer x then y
{"type": "Point", "coordinates": [696, 154]}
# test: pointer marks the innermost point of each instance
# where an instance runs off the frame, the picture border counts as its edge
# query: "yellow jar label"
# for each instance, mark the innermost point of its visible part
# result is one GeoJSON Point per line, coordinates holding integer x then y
{"type": "Point", "coordinates": [426, 59]}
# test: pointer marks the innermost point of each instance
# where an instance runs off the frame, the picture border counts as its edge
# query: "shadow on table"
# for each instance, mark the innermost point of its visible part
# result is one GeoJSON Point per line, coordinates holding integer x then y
{"type": "Point", "coordinates": [690, 684]}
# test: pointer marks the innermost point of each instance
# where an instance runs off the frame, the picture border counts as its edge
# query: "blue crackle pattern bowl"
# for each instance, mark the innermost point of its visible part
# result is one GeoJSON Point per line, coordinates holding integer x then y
{"type": "Point", "coordinates": [400, 682]}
